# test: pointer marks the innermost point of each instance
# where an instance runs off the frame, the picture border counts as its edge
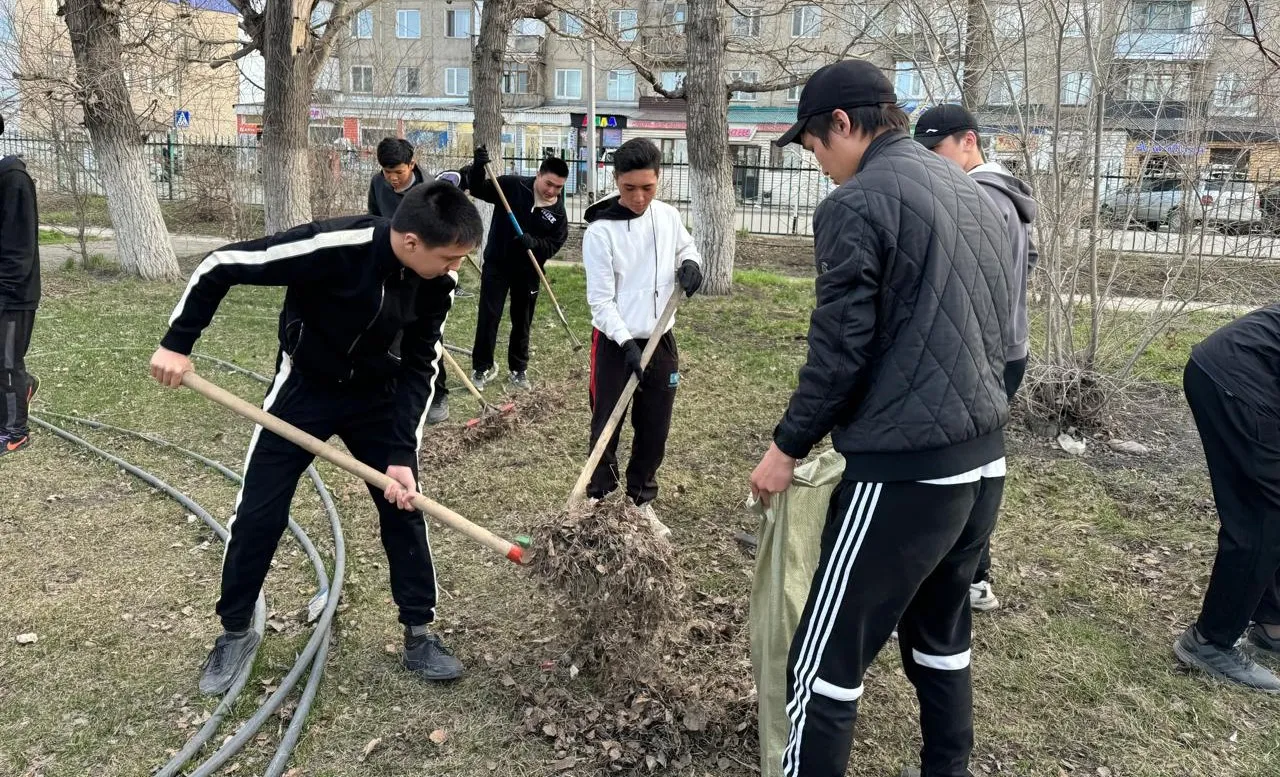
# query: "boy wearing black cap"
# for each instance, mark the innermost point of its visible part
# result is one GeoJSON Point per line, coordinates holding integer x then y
{"type": "Point", "coordinates": [951, 132]}
{"type": "Point", "coordinates": [906, 356]}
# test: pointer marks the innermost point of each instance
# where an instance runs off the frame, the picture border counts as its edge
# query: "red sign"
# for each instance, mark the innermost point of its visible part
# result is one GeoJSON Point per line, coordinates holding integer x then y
{"type": "Point", "coordinates": [246, 128]}
{"type": "Point", "coordinates": [659, 125]}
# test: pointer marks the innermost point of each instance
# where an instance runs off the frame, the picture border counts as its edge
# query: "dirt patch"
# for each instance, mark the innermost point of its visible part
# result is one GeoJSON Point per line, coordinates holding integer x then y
{"type": "Point", "coordinates": [450, 443]}
{"type": "Point", "coordinates": [784, 255]}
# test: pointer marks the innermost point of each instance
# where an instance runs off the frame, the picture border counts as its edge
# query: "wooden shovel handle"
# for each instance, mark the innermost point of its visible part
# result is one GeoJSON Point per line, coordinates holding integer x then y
{"type": "Point", "coordinates": [339, 459]}
{"type": "Point", "coordinates": [593, 461]}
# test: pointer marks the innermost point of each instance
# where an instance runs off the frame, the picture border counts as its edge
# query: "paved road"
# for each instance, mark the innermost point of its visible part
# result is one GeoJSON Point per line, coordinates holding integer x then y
{"type": "Point", "coordinates": [102, 241]}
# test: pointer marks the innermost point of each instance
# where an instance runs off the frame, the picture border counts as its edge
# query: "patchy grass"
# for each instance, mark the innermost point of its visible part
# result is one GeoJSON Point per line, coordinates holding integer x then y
{"type": "Point", "coordinates": [1099, 562]}
{"type": "Point", "coordinates": [52, 237]}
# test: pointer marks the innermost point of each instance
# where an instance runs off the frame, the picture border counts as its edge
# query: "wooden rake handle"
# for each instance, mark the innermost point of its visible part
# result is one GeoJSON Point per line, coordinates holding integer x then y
{"type": "Point", "coordinates": [339, 459]}
{"type": "Point", "coordinates": [593, 461]}
{"type": "Point", "coordinates": [573, 339]}
{"type": "Point", "coordinates": [475, 392]}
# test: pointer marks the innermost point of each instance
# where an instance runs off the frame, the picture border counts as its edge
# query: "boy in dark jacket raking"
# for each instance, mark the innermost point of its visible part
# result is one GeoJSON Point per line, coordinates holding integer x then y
{"type": "Point", "coordinates": [538, 205]}
{"type": "Point", "coordinates": [19, 298]}
{"type": "Point", "coordinates": [906, 355]}
{"type": "Point", "coordinates": [951, 132]}
{"type": "Point", "coordinates": [360, 343]}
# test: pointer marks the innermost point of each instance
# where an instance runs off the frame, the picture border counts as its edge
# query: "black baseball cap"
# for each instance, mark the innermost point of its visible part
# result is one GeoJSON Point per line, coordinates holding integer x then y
{"type": "Point", "coordinates": [943, 121]}
{"type": "Point", "coordinates": [850, 83]}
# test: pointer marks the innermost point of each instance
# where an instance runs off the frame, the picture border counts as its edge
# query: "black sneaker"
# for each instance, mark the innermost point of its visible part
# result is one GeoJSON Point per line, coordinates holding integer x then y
{"type": "Point", "coordinates": [231, 652]}
{"type": "Point", "coordinates": [1259, 637]}
{"type": "Point", "coordinates": [427, 657]}
{"type": "Point", "coordinates": [1232, 665]}
{"type": "Point", "coordinates": [439, 411]}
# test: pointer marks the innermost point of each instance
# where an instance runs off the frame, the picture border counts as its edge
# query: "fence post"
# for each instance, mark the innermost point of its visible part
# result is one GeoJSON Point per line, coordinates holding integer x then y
{"type": "Point", "coordinates": [170, 155]}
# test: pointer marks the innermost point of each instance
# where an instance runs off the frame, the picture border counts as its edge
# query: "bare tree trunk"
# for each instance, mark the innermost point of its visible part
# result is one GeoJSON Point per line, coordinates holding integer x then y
{"type": "Point", "coordinates": [975, 54]}
{"type": "Point", "coordinates": [286, 113]}
{"type": "Point", "coordinates": [142, 239]}
{"type": "Point", "coordinates": [710, 166]}
{"type": "Point", "coordinates": [486, 88]}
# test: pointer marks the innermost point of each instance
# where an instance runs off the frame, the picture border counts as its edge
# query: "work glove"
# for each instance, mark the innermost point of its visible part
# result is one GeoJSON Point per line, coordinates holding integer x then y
{"type": "Point", "coordinates": [690, 277]}
{"type": "Point", "coordinates": [526, 241]}
{"type": "Point", "coordinates": [480, 157]}
{"type": "Point", "coordinates": [632, 353]}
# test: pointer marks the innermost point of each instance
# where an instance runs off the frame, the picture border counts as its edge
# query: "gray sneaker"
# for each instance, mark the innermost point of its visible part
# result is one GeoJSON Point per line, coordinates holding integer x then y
{"type": "Point", "coordinates": [439, 411]}
{"type": "Point", "coordinates": [481, 378]}
{"type": "Point", "coordinates": [1263, 641]}
{"type": "Point", "coordinates": [231, 651]}
{"type": "Point", "coordinates": [659, 528]}
{"type": "Point", "coordinates": [1232, 665]}
{"type": "Point", "coordinates": [519, 380]}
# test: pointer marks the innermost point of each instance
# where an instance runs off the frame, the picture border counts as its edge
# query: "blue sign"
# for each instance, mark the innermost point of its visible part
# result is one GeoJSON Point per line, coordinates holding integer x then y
{"type": "Point", "coordinates": [182, 119]}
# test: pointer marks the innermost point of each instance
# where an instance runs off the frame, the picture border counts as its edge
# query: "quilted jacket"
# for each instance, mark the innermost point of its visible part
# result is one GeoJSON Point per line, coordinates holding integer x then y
{"type": "Point", "coordinates": [907, 342]}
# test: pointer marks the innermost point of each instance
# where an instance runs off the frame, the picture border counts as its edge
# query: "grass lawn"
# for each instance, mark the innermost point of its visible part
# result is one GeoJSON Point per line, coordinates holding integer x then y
{"type": "Point", "coordinates": [1100, 562]}
{"type": "Point", "coordinates": [52, 237]}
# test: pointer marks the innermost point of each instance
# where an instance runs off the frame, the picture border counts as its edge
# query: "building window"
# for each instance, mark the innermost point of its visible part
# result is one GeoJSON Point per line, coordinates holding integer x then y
{"type": "Point", "coordinates": [529, 27]}
{"type": "Point", "coordinates": [457, 23]}
{"type": "Point", "coordinates": [1231, 97]}
{"type": "Point", "coordinates": [330, 78]}
{"type": "Point", "coordinates": [1077, 15]}
{"type": "Point", "coordinates": [515, 78]}
{"type": "Point", "coordinates": [806, 21]}
{"type": "Point", "coordinates": [867, 20]}
{"type": "Point", "coordinates": [622, 85]}
{"type": "Point", "coordinates": [679, 15]}
{"type": "Point", "coordinates": [1006, 20]}
{"type": "Point", "coordinates": [1077, 88]}
{"type": "Point", "coordinates": [362, 79]}
{"type": "Point", "coordinates": [407, 80]}
{"type": "Point", "coordinates": [569, 84]}
{"type": "Point", "coordinates": [457, 81]}
{"type": "Point", "coordinates": [570, 25]}
{"type": "Point", "coordinates": [408, 24]}
{"type": "Point", "coordinates": [1239, 22]}
{"type": "Point", "coordinates": [1006, 87]}
{"type": "Point", "coordinates": [626, 23]}
{"type": "Point", "coordinates": [672, 80]}
{"type": "Point", "coordinates": [1152, 87]}
{"type": "Point", "coordinates": [793, 94]}
{"type": "Point", "coordinates": [746, 23]}
{"type": "Point", "coordinates": [675, 151]}
{"type": "Point", "coordinates": [1170, 16]}
{"type": "Point", "coordinates": [746, 77]}
{"type": "Point", "coordinates": [362, 25]}
{"type": "Point", "coordinates": [908, 81]}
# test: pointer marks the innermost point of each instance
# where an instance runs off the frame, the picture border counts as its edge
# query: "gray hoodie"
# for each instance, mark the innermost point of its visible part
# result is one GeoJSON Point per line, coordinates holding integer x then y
{"type": "Point", "coordinates": [1013, 197]}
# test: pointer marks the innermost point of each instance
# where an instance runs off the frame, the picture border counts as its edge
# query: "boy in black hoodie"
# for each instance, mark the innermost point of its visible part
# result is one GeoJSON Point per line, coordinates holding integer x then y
{"type": "Point", "coordinates": [19, 298]}
{"type": "Point", "coordinates": [951, 132]}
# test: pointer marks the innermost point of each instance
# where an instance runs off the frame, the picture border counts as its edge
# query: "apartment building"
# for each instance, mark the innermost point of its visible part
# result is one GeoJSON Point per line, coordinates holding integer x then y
{"type": "Point", "coordinates": [168, 45]}
{"type": "Point", "coordinates": [1176, 79]}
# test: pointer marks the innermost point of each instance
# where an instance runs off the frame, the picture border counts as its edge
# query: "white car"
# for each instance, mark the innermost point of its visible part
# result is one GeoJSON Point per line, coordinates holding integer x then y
{"type": "Point", "coordinates": [1227, 205]}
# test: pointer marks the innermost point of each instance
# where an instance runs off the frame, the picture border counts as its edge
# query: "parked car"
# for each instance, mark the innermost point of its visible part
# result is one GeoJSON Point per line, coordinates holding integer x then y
{"type": "Point", "coordinates": [1269, 204]}
{"type": "Point", "coordinates": [1232, 206]}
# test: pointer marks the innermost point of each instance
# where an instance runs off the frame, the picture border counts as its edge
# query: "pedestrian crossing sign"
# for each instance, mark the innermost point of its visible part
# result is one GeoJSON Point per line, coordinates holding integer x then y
{"type": "Point", "coordinates": [182, 119]}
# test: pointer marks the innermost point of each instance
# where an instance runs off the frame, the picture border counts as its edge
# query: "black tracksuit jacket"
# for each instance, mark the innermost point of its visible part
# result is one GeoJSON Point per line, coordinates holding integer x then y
{"type": "Point", "coordinates": [549, 227]}
{"type": "Point", "coordinates": [353, 314]}
{"type": "Point", "coordinates": [19, 238]}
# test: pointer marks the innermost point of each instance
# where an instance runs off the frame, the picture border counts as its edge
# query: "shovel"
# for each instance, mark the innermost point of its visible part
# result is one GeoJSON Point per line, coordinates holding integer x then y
{"type": "Point", "coordinates": [593, 461]}
{"type": "Point", "coordinates": [339, 459]}
{"type": "Point", "coordinates": [486, 409]}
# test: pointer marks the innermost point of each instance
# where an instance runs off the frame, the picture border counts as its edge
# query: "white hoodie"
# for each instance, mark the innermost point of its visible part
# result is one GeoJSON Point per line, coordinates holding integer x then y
{"type": "Point", "coordinates": [631, 262]}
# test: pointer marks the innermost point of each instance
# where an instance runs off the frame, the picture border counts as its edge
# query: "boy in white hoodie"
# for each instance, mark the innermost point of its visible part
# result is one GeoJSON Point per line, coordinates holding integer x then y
{"type": "Point", "coordinates": [635, 251]}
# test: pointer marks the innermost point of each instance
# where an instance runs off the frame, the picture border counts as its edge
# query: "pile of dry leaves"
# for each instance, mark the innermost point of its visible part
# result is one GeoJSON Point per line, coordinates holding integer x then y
{"type": "Point", "coordinates": [653, 678]}
{"type": "Point", "coordinates": [449, 442]}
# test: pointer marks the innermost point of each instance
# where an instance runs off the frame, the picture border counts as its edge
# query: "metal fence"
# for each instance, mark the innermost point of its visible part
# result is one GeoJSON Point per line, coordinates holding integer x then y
{"type": "Point", "coordinates": [1234, 215]}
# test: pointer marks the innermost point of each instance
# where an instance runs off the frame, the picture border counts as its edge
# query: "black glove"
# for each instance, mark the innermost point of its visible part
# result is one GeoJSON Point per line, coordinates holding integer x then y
{"type": "Point", "coordinates": [631, 353]}
{"type": "Point", "coordinates": [480, 157]}
{"type": "Point", "coordinates": [526, 241]}
{"type": "Point", "coordinates": [690, 277]}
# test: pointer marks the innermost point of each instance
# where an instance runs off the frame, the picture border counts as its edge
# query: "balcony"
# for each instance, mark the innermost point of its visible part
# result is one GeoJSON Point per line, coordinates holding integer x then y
{"type": "Point", "coordinates": [665, 48]}
{"type": "Point", "coordinates": [522, 101]}
{"type": "Point", "coordinates": [527, 47]}
{"type": "Point", "coordinates": [1163, 45]}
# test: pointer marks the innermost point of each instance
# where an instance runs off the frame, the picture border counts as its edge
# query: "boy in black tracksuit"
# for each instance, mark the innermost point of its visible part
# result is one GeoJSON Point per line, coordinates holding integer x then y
{"type": "Point", "coordinates": [398, 175]}
{"type": "Point", "coordinates": [1232, 384]}
{"type": "Point", "coordinates": [19, 298]}
{"type": "Point", "coordinates": [905, 371]}
{"type": "Point", "coordinates": [538, 205]}
{"type": "Point", "coordinates": [360, 342]}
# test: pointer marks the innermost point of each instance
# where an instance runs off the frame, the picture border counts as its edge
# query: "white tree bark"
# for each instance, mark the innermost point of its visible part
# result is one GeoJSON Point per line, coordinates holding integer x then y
{"type": "Point", "coordinates": [710, 166]}
{"type": "Point", "coordinates": [142, 238]}
{"type": "Point", "coordinates": [290, 76]}
{"type": "Point", "coordinates": [486, 91]}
